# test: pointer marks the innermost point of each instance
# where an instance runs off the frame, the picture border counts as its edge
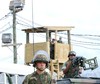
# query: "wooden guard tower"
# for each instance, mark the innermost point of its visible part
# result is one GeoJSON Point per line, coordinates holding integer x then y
{"type": "Point", "coordinates": [60, 49]}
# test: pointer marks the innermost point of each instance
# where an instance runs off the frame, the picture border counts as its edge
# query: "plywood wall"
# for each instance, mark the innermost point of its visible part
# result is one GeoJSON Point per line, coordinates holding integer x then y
{"type": "Point", "coordinates": [30, 50]}
{"type": "Point", "coordinates": [61, 52]}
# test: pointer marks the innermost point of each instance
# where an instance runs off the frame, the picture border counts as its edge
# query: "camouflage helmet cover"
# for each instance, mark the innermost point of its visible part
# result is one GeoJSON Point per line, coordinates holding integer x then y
{"type": "Point", "coordinates": [41, 56]}
{"type": "Point", "coordinates": [72, 53]}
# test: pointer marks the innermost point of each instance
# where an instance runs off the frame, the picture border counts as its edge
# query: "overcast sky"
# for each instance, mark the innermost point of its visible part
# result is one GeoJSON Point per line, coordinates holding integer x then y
{"type": "Point", "coordinates": [84, 15]}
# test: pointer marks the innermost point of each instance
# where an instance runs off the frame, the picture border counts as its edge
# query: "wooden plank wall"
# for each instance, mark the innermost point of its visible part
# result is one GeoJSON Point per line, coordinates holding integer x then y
{"type": "Point", "coordinates": [61, 52]}
{"type": "Point", "coordinates": [29, 54]}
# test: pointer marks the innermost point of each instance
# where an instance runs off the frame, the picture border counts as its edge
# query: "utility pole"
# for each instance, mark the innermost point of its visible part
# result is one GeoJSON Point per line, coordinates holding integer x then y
{"type": "Point", "coordinates": [14, 36]}
{"type": "Point", "coordinates": [15, 6]}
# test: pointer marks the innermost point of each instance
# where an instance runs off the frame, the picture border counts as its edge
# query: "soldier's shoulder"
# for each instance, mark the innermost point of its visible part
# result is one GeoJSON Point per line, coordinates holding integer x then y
{"type": "Point", "coordinates": [29, 75]}
{"type": "Point", "coordinates": [46, 73]}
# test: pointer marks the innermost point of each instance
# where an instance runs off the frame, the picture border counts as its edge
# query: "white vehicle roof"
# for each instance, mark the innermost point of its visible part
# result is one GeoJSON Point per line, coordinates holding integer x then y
{"type": "Point", "coordinates": [16, 68]}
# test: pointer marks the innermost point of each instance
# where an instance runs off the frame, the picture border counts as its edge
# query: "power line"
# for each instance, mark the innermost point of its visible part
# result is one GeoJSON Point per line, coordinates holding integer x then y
{"type": "Point", "coordinates": [5, 30]}
{"type": "Point", "coordinates": [81, 35]}
{"type": "Point", "coordinates": [85, 47]}
{"type": "Point", "coordinates": [90, 38]}
{"type": "Point", "coordinates": [86, 43]}
{"type": "Point", "coordinates": [85, 35]}
{"type": "Point", "coordinates": [24, 24]}
{"type": "Point", "coordinates": [23, 21]}
{"type": "Point", "coordinates": [80, 43]}
{"type": "Point", "coordinates": [29, 21]}
{"type": "Point", "coordinates": [5, 16]}
{"type": "Point", "coordinates": [4, 25]}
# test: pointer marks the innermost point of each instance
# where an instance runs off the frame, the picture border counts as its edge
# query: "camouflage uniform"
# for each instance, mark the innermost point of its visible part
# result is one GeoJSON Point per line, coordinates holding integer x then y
{"type": "Point", "coordinates": [72, 72]}
{"type": "Point", "coordinates": [36, 78]}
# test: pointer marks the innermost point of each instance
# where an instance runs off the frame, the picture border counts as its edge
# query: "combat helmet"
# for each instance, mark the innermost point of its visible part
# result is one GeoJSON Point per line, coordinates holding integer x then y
{"type": "Point", "coordinates": [72, 53]}
{"type": "Point", "coordinates": [41, 56]}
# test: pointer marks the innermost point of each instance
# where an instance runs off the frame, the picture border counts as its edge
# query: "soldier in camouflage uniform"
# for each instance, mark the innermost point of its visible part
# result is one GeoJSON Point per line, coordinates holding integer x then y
{"type": "Point", "coordinates": [40, 76]}
{"type": "Point", "coordinates": [69, 70]}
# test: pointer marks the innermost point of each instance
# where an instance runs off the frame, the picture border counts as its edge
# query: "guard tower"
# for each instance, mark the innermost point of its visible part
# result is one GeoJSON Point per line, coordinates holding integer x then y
{"type": "Point", "coordinates": [60, 49]}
